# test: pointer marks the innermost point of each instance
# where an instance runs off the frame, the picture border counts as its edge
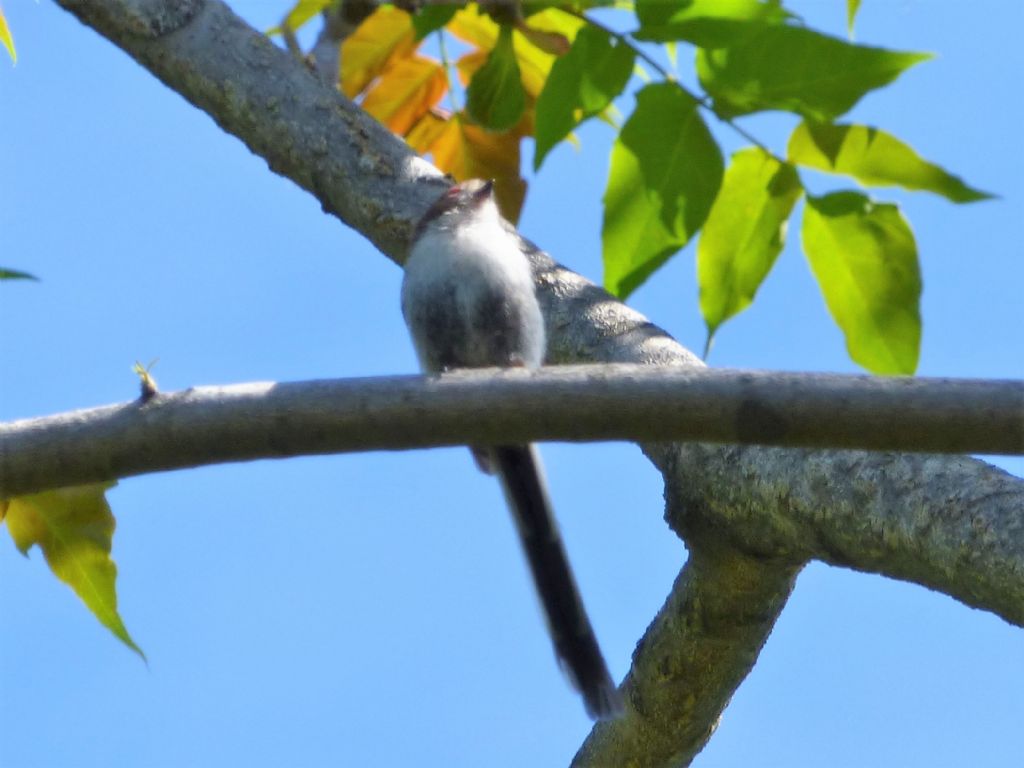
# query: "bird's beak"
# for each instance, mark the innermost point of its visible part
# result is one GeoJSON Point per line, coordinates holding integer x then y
{"type": "Point", "coordinates": [486, 191]}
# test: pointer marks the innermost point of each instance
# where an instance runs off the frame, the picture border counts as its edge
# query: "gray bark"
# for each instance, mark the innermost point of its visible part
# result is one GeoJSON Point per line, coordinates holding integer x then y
{"type": "Point", "coordinates": [642, 403]}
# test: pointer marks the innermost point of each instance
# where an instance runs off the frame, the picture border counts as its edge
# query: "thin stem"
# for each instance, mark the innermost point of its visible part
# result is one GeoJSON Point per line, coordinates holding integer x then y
{"type": "Point", "coordinates": [701, 99]}
{"type": "Point", "coordinates": [626, 40]}
{"type": "Point", "coordinates": [446, 64]}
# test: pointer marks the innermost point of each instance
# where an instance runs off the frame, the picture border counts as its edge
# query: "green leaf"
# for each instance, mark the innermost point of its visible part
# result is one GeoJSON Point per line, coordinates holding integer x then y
{"type": "Point", "coordinates": [874, 157]}
{"type": "Point", "coordinates": [582, 83]}
{"type": "Point", "coordinates": [74, 528]}
{"type": "Point", "coordinates": [13, 274]}
{"type": "Point", "coordinates": [6, 38]}
{"type": "Point", "coordinates": [495, 97]}
{"type": "Point", "coordinates": [744, 233]}
{"type": "Point", "coordinates": [797, 70]}
{"type": "Point", "coordinates": [432, 17]}
{"type": "Point", "coordinates": [864, 257]}
{"type": "Point", "coordinates": [707, 23]}
{"type": "Point", "coordinates": [852, 6]}
{"type": "Point", "coordinates": [665, 172]}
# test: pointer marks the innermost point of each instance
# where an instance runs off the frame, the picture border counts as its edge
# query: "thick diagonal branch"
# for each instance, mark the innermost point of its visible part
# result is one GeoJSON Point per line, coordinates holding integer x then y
{"type": "Point", "coordinates": [306, 131]}
{"type": "Point", "coordinates": [702, 644]}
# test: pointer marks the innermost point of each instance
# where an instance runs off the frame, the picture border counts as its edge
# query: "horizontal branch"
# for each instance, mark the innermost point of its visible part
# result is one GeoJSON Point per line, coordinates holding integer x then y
{"type": "Point", "coordinates": [209, 425]}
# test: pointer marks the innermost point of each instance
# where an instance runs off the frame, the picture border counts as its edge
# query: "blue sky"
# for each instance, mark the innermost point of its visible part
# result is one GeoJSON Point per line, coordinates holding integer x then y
{"type": "Point", "coordinates": [375, 609]}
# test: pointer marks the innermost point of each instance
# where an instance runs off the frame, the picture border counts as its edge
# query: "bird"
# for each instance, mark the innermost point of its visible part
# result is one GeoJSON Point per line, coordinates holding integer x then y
{"type": "Point", "coordinates": [469, 300]}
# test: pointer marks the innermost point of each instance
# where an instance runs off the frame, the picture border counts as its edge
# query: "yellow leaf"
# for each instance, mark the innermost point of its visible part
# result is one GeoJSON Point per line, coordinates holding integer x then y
{"type": "Point", "coordinates": [385, 35]}
{"type": "Point", "coordinates": [556, 22]}
{"type": "Point", "coordinates": [421, 138]}
{"type": "Point", "coordinates": [74, 528]}
{"type": "Point", "coordinates": [6, 39]}
{"type": "Point", "coordinates": [467, 151]}
{"type": "Point", "coordinates": [301, 12]}
{"type": "Point", "coordinates": [406, 91]}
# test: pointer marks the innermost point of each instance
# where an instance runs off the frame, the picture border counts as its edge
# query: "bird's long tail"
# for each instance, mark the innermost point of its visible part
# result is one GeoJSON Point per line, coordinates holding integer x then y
{"type": "Point", "coordinates": [522, 479]}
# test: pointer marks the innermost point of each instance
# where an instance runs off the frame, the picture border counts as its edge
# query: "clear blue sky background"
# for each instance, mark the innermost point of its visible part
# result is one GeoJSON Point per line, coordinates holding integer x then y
{"type": "Point", "coordinates": [374, 609]}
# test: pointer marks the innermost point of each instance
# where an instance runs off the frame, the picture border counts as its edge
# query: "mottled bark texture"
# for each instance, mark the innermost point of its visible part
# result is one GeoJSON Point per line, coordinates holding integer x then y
{"type": "Point", "coordinates": [575, 403]}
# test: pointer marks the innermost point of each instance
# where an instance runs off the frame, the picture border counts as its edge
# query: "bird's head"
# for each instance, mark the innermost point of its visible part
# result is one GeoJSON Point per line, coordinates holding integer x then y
{"type": "Point", "coordinates": [459, 204]}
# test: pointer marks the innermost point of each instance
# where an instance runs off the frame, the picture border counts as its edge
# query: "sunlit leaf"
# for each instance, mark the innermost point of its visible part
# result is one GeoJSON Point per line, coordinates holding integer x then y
{"type": "Point", "coordinates": [384, 35]}
{"type": "Point", "coordinates": [864, 257]}
{"type": "Point", "coordinates": [430, 18]}
{"type": "Point", "coordinates": [495, 97]}
{"type": "Point", "coordinates": [478, 29]}
{"type": "Point", "coordinates": [707, 23]}
{"type": "Point", "coordinates": [467, 151]}
{"type": "Point", "coordinates": [874, 157]}
{"type": "Point", "coordinates": [665, 172]}
{"type": "Point", "coordinates": [554, 22]}
{"type": "Point", "coordinates": [672, 51]}
{"type": "Point", "coordinates": [581, 84]}
{"type": "Point", "coordinates": [74, 528]}
{"type": "Point", "coordinates": [797, 70]}
{"type": "Point", "coordinates": [406, 91]}
{"type": "Point", "coordinates": [301, 12]}
{"type": "Point", "coordinates": [14, 274]}
{"type": "Point", "coordinates": [468, 65]}
{"type": "Point", "coordinates": [852, 6]}
{"type": "Point", "coordinates": [427, 130]}
{"type": "Point", "coordinates": [744, 233]}
{"type": "Point", "coordinates": [5, 37]}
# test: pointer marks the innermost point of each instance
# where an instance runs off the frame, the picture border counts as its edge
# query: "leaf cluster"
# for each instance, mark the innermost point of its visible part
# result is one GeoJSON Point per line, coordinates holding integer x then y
{"type": "Point", "coordinates": [541, 69]}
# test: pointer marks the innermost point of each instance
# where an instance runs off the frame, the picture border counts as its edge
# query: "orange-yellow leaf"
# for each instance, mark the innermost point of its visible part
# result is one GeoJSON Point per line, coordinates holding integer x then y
{"type": "Point", "coordinates": [74, 528]}
{"type": "Point", "coordinates": [422, 136]}
{"type": "Point", "coordinates": [509, 193]}
{"type": "Point", "coordinates": [467, 151]}
{"type": "Point", "coordinates": [5, 37]}
{"type": "Point", "coordinates": [406, 91]}
{"type": "Point", "coordinates": [469, 64]}
{"type": "Point", "coordinates": [385, 35]}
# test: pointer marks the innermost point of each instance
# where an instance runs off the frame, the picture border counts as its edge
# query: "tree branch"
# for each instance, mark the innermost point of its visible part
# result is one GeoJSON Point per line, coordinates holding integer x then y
{"type": "Point", "coordinates": [679, 677]}
{"type": "Point", "coordinates": [372, 181]}
{"type": "Point", "coordinates": [948, 523]}
{"type": "Point", "coordinates": [306, 130]}
{"type": "Point", "coordinates": [208, 425]}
